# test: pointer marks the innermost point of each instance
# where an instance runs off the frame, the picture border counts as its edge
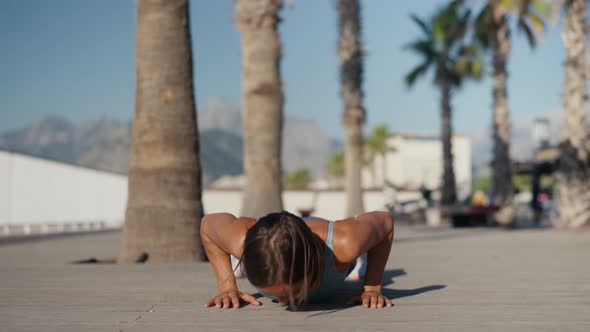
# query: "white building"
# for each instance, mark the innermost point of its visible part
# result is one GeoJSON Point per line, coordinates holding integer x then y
{"type": "Point", "coordinates": [417, 161]}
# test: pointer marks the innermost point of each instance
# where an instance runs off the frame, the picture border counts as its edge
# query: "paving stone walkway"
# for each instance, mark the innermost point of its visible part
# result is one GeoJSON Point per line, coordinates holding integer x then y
{"type": "Point", "coordinates": [440, 279]}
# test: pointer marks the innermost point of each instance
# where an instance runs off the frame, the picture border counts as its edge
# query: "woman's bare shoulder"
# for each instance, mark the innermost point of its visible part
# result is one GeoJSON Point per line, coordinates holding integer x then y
{"type": "Point", "coordinates": [229, 222]}
{"type": "Point", "coordinates": [318, 226]}
{"type": "Point", "coordinates": [346, 242]}
{"type": "Point", "coordinates": [245, 223]}
{"type": "Point", "coordinates": [227, 231]}
{"type": "Point", "coordinates": [342, 237]}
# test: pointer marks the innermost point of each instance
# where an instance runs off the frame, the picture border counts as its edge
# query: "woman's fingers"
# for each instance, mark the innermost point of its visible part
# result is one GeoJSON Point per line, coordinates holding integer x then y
{"type": "Point", "coordinates": [210, 303]}
{"type": "Point", "coordinates": [371, 300]}
{"type": "Point", "coordinates": [380, 301]}
{"type": "Point", "coordinates": [226, 302]}
{"type": "Point", "coordinates": [234, 300]}
{"type": "Point", "coordinates": [388, 302]}
{"type": "Point", "coordinates": [366, 301]}
{"type": "Point", "coordinates": [249, 298]}
{"type": "Point", "coordinates": [374, 299]}
{"type": "Point", "coordinates": [231, 299]}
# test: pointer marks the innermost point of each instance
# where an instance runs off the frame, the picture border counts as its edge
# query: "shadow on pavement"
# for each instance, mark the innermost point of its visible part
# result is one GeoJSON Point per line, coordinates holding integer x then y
{"type": "Point", "coordinates": [388, 276]}
{"type": "Point", "coordinates": [399, 293]}
{"type": "Point", "coordinates": [351, 288]}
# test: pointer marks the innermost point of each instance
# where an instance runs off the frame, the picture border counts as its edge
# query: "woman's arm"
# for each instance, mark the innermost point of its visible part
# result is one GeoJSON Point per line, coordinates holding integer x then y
{"type": "Point", "coordinates": [378, 227]}
{"type": "Point", "coordinates": [370, 232]}
{"type": "Point", "coordinates": [223, 235]}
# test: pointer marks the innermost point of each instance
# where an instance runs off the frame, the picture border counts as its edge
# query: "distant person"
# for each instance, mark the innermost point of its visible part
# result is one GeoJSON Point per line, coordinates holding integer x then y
{"type": "Point", "coordinates": [426, 195]}
{"type": "Point", "coordinates": [479, 199]}
{"type": "Point", "coordinates": [294, 260]}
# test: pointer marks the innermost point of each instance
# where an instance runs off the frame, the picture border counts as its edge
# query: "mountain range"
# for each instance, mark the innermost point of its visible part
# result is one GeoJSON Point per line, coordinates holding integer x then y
{"type": "Point", "coordinates": [104, 143]}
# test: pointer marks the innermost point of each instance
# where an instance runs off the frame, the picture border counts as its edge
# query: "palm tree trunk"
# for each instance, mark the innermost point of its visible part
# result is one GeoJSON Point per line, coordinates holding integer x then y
{"type": "Point", "coordinates": [573, 177]}
{"type": "Point", "coordinates": [164, 203]}
{"type": "Point", "coordinates": [449, 189]}
{"type": "Point", "coordinates": [262, 96]}
{"type": "Point", "coordinates": [502, 188]}
{"type": "Point", "coordinates": [350, 55]}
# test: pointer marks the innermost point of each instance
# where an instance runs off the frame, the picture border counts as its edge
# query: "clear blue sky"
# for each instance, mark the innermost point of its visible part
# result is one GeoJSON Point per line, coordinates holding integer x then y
{"type": "Point", "coordinates": [76, 58]}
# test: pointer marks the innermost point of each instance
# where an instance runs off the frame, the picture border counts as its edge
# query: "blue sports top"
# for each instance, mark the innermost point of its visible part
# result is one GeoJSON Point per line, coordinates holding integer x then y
{"type": "Point", "coordinates": [331, 277]}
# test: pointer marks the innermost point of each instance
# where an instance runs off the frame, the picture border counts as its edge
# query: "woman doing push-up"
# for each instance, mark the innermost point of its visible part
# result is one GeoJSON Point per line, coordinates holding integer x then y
{"type": "Point", "coordinates": [295, 260]}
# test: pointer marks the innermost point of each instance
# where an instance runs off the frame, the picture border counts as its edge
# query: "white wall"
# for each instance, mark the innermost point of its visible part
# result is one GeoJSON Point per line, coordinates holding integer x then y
{"type": "Point", "coordinates": [5, 187]}
{"type": "Point", "coordinates": [36, 192]}
{"type": "Point", "coordinates": [328, 204]}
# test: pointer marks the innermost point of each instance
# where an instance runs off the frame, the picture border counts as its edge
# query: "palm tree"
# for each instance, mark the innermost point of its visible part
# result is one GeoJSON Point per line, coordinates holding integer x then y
{"type": "Point", "coordinates": [376, 145]}
{"type": "Point", "coordinates": [262, 96]}
{"type": "Point", "coordinates": [442, 48]}
{"type": "Point", "coordinates": [573, 176]}
{"type": "Point", "coordinates": [335, 167]}
{"type": "Point", "coordinates": [164, 206]}
{"type": "Point", "coordinates": [492, 30]}
{"type": "Point", "coordinates": [350, 55]}
{"type": "Point", "coordinates": [298, 179]}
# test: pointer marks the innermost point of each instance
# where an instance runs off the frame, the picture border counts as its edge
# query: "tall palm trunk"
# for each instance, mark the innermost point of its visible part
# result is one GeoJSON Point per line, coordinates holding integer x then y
{"type": "Point", "coordinates": [449, 188]}
{"type": "Point", "coordinates": [164, 203]}
{"type": "Point", "coordinates": [350, 55]}
{"type": "Point", "coordinates": [502, 189]}
{"type": "Point", "coordinates": [573, 177]}
{"type": "Point", "coordinates": [262, 97]}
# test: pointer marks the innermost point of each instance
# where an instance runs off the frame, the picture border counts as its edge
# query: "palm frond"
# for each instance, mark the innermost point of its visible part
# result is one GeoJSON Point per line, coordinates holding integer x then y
{"type": "Point", "coordinates": [422, 47]}
{"type": "Point", "coordinates": [444, 50]}
{"type": "Point", "coordinates": [465, 18]}
{"type": "Point", "coordinates": [455, 79]}
{"type": "Point", "coordinates": [482, 27]}
{"type": "Point", "coordinates": [438, 30]}
{"type": "Point", "coordinates": [476, 69]}
{"type": "Point", "coordinates": [421, 24]}
{"type": "Point", "coordinates": [467, 63]}
{"type": "Point", "coordinates": [459, 28]}
{"type": "Point", "coordinates": [451, 23]}
{"type": "Point", "coordinates": [530, 35]}
{"type": "Point", "coordinates": [510, 5]}
{"type": "Point", "coordinates": [531, 15]}
{"type": "Point", "coordinates": [416, 73]}
{"type": "Point", "coordinates": [469, 50]}
{"type": "Point", "coordinates": [461, 66]}
{"type": "Point", "coordinates": [543, 7]}
{"type": "Point", "coordinates": [444, 21]}
{"type": "Point", "coordinates": [537, 22]}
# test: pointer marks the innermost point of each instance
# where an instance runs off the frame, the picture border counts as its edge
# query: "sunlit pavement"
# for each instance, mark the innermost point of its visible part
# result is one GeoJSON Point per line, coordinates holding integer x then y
{"type": "Point", "coordinates": [440, 279]}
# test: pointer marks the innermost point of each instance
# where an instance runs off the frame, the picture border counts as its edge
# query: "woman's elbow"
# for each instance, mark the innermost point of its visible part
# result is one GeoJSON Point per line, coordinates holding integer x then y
{"type": "Point", "coordinates": [388, 224]}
